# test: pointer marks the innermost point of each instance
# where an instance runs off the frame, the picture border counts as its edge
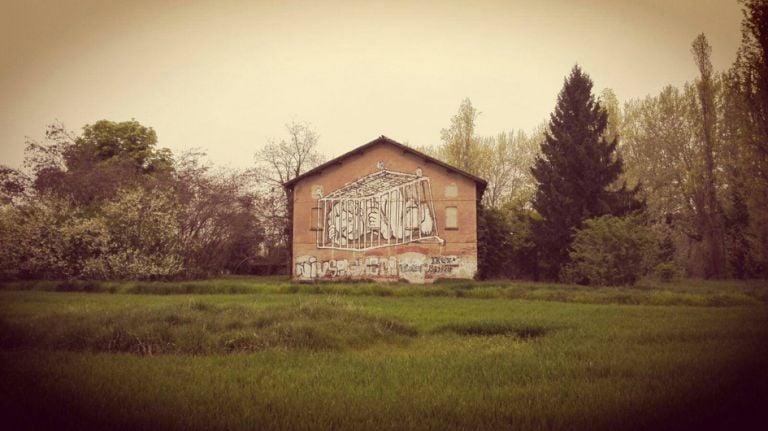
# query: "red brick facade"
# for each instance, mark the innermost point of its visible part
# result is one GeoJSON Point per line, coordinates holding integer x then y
{"type": "Point", "coordinates": [384, 212]}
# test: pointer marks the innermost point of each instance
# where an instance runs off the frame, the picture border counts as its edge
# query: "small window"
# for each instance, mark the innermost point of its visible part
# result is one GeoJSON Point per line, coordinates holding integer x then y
{"type": "Point", "coordinates": [451, 218]}
{"type": "Point", "coordinates": [451, 191]}
{"type": "Point", "coordinates": [316, 219]}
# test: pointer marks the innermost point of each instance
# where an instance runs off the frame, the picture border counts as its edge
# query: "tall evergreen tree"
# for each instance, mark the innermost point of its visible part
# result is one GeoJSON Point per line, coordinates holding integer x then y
{"type": "Point", "coordinates": [575, 173]}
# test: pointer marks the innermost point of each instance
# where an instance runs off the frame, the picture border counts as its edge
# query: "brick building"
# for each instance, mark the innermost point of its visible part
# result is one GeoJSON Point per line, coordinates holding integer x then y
{"type": "Point", "coordinates": [386, 212]}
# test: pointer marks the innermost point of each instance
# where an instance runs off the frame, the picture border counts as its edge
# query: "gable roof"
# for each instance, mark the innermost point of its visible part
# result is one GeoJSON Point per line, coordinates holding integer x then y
{"type": "Point", "coordinates": [481, 183]}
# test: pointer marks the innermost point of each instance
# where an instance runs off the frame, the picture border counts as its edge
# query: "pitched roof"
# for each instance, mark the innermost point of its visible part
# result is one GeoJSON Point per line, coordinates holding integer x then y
{"type": "Point", "coordinates": [481, 183]}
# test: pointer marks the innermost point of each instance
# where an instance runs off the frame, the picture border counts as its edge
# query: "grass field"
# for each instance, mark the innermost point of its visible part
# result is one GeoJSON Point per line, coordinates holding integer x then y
{"type": "Point", "coordinates": [275, 355]}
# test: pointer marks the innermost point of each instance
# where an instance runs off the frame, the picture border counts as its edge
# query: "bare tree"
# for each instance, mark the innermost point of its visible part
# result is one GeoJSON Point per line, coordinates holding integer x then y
{"type": "Point", "coordinates": [281, 161]}
{"type": "Point", "coordinates": [277, 163]}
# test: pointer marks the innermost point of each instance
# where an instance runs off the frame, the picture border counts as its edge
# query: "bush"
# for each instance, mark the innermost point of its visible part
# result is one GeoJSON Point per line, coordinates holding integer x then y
{"type": "Point", "coordinates": [506, 246]}
{"type": "Point", "coordinates": [610, 251]}
{"type": "Point", "coordinates": [666, 271]}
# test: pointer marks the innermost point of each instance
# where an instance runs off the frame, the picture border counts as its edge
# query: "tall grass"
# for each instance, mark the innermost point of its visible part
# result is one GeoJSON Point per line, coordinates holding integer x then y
{"type": "Point", "coordinates": [595, 367]}
{"type": "Point", "coordinates": [199, 328]}
{"type": "Point", "coordinates": [684, 292]}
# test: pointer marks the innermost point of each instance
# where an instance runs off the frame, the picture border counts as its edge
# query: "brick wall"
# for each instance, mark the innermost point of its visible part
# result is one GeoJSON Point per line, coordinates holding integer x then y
{"type": "Point", "coordinates": [403, 217]}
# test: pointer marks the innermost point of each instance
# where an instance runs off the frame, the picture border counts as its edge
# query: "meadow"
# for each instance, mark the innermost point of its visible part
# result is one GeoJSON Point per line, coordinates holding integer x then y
{"type": "Point", "coordinates": [247, 353]}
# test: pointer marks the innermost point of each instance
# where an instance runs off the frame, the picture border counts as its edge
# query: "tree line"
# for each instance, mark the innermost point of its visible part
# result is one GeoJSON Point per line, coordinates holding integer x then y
{"type": "Point", "coordinates": [674, 184]}
{"type": "Point", "coordinates": [108, 203]}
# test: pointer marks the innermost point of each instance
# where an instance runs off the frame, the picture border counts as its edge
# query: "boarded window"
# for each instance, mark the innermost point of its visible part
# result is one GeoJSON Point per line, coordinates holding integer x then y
{"type": "Point", "coordinates": [316, 219]}
{"type": "Point", "coordinates": [451, 191]}
{"type": "Point", "coordinates": [451, 218]}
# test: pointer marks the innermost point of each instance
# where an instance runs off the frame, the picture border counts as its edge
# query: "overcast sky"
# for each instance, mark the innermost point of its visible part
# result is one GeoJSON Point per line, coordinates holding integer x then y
{"type": "Point", "coordinates": [225, 76]}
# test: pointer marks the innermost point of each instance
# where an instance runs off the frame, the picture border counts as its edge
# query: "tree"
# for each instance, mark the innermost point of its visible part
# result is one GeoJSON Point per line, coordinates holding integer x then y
{"type": "Point", "coordinates": [709, 216]}
{"type": "Point", "coordinates": [14, 186]}
{"type": "Point", "coordinates": [610, 104]}
{"type": "Point", "coordinates": [575, 173]}
{"type": "Point", "coordinates": [611, 251]}
{"type": "Point", "coordinates": [662, 147]}
{"type": "Point", "coordinates": [461, 146]}
{"type": "Point", "coordinates": [281, 161]}
{"type": "Point", "coordinates": [219, 225]}
{"type": "Point", "coordinates": [91, 167]}
{"type": "Point", "coordinates": [277, 163]}
{"type": "Point", "coordinates": [747, 124]}
{"type": "Point", "coordinates": [507, 161]}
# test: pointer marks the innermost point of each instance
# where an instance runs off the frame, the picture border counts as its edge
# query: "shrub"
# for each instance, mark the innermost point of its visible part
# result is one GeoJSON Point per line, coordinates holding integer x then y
{"type": "Point", "coordinates": [666, 271]}
{"type": "Point", "coordinates": [610, 251]}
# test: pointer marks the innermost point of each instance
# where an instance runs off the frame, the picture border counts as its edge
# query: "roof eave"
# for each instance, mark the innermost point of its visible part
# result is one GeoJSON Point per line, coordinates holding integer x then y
{"type": "Point", "coordinates": [482, 184]}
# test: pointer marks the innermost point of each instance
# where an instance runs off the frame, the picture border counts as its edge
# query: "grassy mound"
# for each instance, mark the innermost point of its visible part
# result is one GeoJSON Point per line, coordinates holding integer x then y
{"type": "Point", "coordinates": [200, 328]}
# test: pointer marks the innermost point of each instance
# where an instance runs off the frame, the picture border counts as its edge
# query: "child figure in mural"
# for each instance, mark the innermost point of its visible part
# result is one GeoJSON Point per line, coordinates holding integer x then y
{"type": "Point", "coordinates": [388, 218]}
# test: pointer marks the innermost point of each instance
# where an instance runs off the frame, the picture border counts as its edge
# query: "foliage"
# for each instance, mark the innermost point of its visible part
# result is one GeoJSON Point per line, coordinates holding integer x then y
{"type": "Point", "coordinates": [14, 186]}
{"type": "Point", "coordinates": [91, 167]}
{"type": "Point", "coordinates": [700, 153]}
{"type": "Point", "coordinates": [507, 158]}
{"type": "Point", "coordinates": [746, 121]}
{"type": "Point", "coordinates": [507, 247]}
{"type": "Point", "coordinates": [461, 145]}
{"type": "Point", "coordinates": [709, 220]}
{"type": "Point", "coordinates": [666, 271]}
{"type": "Point", "coordinates": [108, 205]}
{"type": "Point", "coordinates": [49, 239]}
{"type": "Point", "coordinates": [575, 172]}
{"type": "Point", "coordinates": [219, 226]}
{"type": "Point", "coordinates": [611, 251]}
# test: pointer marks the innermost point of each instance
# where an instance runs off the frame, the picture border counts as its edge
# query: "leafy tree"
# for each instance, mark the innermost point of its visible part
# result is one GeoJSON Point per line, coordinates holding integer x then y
{"type": "Point", "coordinates": [610, 104]}
{"type": "Point", "coordinates": [506, 247]}
{"type": "Point", "coordinates": [747, 133]}
{"type": "Point", "coordinates": [91, 167]}
{"type": "Point", "coordinates": [461, 145]}
{"type": "Point", "coordinates": [48, 239]}
{"type": "Point", "coordinates": [507, 161]}
{"type": "Point", "coordinates": [575, 173]}
{"type": "Point", "coordinates": [611, 251]}
{"type": "Point", "coordinates": [662, 148]}
{"type": "Point", "coordinates": [710, 211]}
{"type": "Point", "coordinates": [14, 186]}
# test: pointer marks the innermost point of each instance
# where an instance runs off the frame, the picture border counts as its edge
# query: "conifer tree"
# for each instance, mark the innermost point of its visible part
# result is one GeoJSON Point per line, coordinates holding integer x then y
{"type": "Point", "coordinates": [575, 173]}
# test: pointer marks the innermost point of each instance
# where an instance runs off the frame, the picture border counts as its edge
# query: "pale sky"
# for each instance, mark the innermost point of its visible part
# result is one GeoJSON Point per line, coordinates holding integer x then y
{"type": "Point", "coordinates": [225, 76]}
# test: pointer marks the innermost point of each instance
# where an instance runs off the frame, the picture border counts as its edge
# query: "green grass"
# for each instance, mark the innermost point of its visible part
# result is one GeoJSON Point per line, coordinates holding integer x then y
{"type": "Point", "coordinates": [203, 328]}
{"type": "Point", "coordinates": [647, 292]}
{"type": "Point", "coordinates": [397, 362]}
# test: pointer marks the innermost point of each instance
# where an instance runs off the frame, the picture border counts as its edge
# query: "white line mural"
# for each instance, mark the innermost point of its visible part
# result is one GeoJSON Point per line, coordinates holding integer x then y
{"type": "Point", "coordinates": [382, 209]}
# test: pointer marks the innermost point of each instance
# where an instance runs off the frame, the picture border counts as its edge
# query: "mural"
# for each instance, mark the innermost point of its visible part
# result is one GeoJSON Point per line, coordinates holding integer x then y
{"type": "Point", "coordinates": [383, 209]}
{"type": "Point", "coordinates": [414, 267]}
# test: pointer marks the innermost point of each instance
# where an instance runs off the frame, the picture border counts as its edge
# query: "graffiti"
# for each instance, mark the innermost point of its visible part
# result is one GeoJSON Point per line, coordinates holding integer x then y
{"type": "Point", "coordinates": [443, 264]}
{"type": "Point", "coordinates": [309, 267]}
{"type": "Point", "coordinates": [410, 266]}
{"type": "Point", "coordinates": [382, 209]}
